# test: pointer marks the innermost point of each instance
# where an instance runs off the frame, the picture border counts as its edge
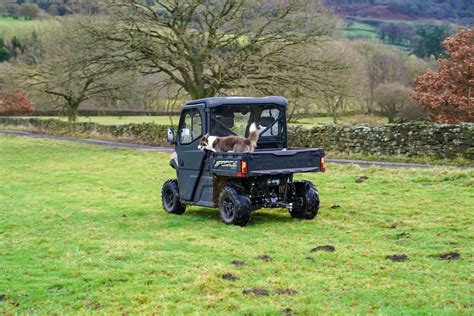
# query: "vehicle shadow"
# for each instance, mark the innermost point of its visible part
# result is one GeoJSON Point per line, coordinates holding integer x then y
{"type": "Point", "coordinates": [258, 217]}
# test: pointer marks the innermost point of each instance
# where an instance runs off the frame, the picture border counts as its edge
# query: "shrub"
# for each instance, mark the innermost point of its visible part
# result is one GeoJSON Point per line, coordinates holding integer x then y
{"type": "Point", "coordinates": [412, 112]}
{"type": "Point", "coordinates": [391, 98]}
{"type": "Point", "coordinates": [4, 55]}
{"type": "Point", "coordinates": [15, 103]}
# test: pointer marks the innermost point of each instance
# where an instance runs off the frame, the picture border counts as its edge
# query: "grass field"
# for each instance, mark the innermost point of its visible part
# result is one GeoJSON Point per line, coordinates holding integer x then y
{"type": "Point", "coordinates": [358, 29]}
{"type": "Point", "coordinates": [82, 231]}
{"type": "Point", "coordinates": [20, 27]}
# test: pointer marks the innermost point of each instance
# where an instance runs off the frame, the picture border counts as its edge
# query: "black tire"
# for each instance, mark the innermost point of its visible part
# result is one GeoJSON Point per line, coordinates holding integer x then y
{"type": "Point", "coordinates": [170, 198]}
{"type": "Point", "coordinates": [234, 206]}
{"type": "Point", "coordinates": [306, 205]}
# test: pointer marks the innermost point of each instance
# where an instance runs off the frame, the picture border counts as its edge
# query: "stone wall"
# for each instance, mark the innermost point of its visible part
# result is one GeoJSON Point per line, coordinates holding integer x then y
{"type": "Point", "coordinates": [409, 139]}
{"type": "Point", "coordinates": [146, 133]}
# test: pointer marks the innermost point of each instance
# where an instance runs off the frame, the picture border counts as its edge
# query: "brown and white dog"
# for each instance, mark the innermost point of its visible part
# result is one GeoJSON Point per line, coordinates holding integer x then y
{"type": "Point", "coordinates": [231, 143]}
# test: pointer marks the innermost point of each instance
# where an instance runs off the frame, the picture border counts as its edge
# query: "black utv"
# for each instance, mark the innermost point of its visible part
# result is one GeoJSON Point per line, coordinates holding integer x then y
{"type": "Point", "coordinates": [239, 183]}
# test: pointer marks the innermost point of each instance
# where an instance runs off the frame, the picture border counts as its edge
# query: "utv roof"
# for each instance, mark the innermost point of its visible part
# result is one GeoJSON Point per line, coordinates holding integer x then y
{"type": "Point", "coordinates": [216, 101]}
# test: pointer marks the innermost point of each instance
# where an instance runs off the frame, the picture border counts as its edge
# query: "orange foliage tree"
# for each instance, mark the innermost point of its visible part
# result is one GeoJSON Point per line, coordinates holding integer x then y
{"type": "Point", "coordinates": [15, 103]}
{"type": "Point", "coordinates": [446, 95]}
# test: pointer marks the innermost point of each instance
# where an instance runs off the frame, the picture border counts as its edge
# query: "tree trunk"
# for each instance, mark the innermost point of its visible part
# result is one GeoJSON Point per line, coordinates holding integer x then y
{"type": "Point", "coordinates": [72, 111]}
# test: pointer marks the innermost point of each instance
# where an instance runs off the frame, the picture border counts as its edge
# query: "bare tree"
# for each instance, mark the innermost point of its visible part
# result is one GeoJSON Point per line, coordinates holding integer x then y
{"type": "Point", "coordinates": [382, 65]}
{"type": "Point", "coordinates": [64, 70]}
{"type": "Point", "coordinates": [216, 47]}
{"type": "Point", "coordinates": [346, 81]}
{"type": "Point", "coordinates": [392, 98]}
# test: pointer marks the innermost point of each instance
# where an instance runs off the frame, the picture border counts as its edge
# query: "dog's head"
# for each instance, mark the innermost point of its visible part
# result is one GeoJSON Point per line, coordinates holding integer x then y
{"type": "Point", "coordinates": [207, 142]}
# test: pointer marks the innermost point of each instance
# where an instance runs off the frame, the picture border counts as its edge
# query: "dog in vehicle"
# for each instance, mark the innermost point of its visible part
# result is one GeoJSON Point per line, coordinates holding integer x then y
{"type": "Point", "coordinates": [231, 143]}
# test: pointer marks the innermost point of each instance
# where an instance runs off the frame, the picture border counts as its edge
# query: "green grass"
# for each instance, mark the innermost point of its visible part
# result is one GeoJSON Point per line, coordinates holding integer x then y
{"type": "Point", "coordinates": [82, 231]}
{"type": "Point", "coordinates": [358, 29]}
{"type": "Point", "coordinates": [20, 27]}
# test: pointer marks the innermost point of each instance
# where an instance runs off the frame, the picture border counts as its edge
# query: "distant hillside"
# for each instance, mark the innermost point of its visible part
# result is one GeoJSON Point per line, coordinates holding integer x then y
{"type": "Point", "coordinates": [454, 11]}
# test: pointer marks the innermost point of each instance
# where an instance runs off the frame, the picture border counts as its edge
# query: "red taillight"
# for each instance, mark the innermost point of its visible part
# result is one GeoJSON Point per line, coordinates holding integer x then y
{"type": "Point", "coordinates": [243, 169]}
{"type": "Point", "coordinates": [323, 165]}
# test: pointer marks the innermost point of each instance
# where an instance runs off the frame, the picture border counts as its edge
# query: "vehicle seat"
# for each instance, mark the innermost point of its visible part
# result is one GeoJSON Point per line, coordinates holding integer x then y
{"type": "Point", "coordinates": [218, 129]}
{"type": "Point", "coordinates": [266, 121]}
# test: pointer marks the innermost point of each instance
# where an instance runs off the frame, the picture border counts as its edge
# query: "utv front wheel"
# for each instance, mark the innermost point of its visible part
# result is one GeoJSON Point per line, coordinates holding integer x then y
{"type": "Point", "coordinates": [170, 198]}
{"type": "Point", "coordinates": [306, 204]}
{"type": "Point", "coordinates": [234, 206]}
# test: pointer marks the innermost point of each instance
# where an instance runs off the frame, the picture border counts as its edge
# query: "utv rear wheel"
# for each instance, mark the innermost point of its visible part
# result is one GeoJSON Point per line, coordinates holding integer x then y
{"type": "Point", "coordinates": [170, 198]}
{"type": "Point", "coordinates": [234, 206]}
{"type": "Point", "coordinates": [306, 205]}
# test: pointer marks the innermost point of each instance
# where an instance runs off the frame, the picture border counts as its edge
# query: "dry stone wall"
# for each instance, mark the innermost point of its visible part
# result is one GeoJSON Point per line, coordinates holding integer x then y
{"type": "Point", "coordinates": [409, 139]}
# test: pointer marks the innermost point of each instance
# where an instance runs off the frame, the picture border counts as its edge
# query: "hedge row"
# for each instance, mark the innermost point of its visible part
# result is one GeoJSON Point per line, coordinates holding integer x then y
{"type": "Point", "coordinates": [410, 139]}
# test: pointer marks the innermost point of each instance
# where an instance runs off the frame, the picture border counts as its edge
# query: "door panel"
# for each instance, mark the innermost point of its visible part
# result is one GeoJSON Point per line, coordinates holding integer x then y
{"type": "Point", "coordinates": [190, 158]}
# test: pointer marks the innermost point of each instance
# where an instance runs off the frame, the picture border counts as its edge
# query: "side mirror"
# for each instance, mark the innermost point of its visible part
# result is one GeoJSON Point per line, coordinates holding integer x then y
{"type": "Point", "coordinates": [170, 136]}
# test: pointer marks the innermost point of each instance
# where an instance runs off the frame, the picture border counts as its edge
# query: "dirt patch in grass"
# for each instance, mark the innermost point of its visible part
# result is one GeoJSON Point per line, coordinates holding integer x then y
{"type": "Point", "coordinates": [286, 292]}
{"type": "Point", "coordinates": [397, 258]}
{"type": "Point", "coordinates": [265, 258]}
{"type": "Point", "coordinates": [2, 297]}
{"type": "Point", "coordinates": [335, 206]}
{"type": "Point", "coordinates": [229, 277]}
{"type": "Point", "coordinates": [327, 248]}
{"type": "Point", "coordinates": [288, 312]}
{"type": "Point", "coordinates": [238, 263]}
{"type": "Point", "coordinates": [450, 256]}
{"type": "Point", "coordinates": [402, 235]}
{"type": "Point", "coordinates": [361, 179]}
{"type": "Point", "coordinates": [256, 291]}
{"type": "Point", "coordinates": [94, 305]}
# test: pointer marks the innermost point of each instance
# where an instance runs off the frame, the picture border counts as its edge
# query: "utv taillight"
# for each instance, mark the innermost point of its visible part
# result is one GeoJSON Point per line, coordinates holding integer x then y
{"type": "Point", "coordinates": [243, 169]}
{"type": "Point", "coordinates": [323, 165]}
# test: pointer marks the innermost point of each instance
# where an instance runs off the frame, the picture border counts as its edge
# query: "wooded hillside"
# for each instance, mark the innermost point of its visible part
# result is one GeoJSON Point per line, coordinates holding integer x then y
{"type": "Point", "coordinates": [459, 11]}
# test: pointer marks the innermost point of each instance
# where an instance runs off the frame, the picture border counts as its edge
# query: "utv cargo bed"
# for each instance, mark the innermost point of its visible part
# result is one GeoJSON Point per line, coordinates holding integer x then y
{"type": "Point", "coordinates": [267, 162]}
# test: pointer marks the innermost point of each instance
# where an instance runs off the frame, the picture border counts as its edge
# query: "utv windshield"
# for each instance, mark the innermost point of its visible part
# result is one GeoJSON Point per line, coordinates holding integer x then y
{"type": "Point", "coordinates": [236, 120]}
